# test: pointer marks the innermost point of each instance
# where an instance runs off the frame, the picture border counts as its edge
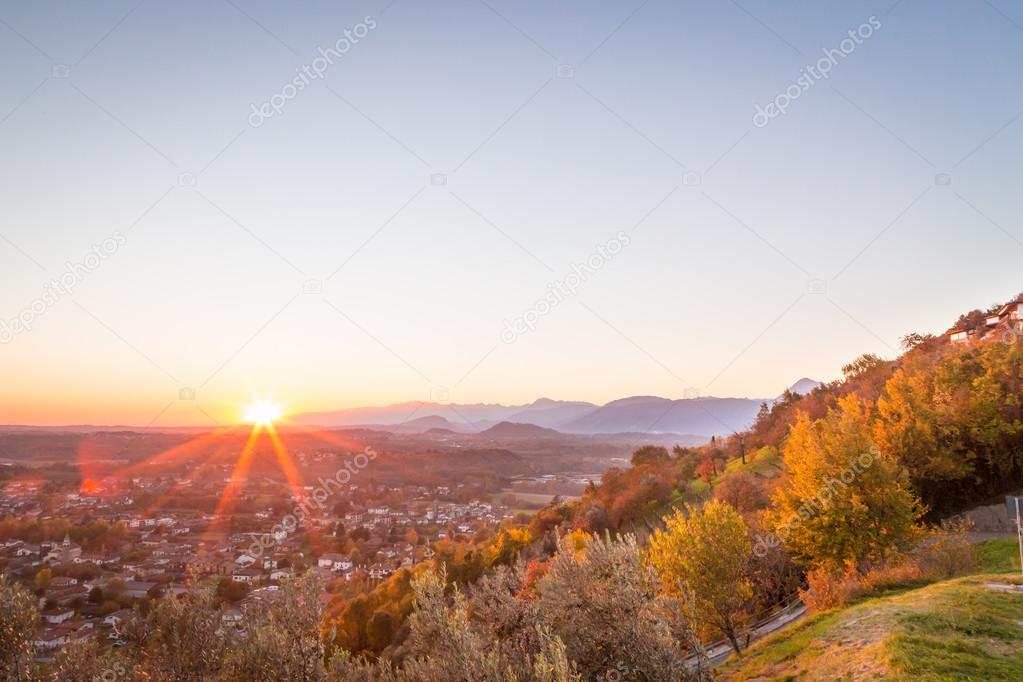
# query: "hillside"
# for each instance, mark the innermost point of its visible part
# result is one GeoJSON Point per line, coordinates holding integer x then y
{"type": "Point", "coordinates": [960, 629]}
{"type": "Point", "coordinates": [651, 414]}
{"type": "Point", "coordinates": [701, 417]}
{"type": "Point", "coordinates": [512, 430]}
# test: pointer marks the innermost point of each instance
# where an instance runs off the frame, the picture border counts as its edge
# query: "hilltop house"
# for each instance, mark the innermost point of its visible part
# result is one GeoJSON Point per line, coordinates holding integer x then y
{"type": "Point", "coordinates": [1006, 323]}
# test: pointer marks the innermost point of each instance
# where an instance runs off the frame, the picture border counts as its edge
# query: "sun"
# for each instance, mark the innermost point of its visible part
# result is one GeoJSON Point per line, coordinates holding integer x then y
{"type": "Point", "coordinates": [262, 413]}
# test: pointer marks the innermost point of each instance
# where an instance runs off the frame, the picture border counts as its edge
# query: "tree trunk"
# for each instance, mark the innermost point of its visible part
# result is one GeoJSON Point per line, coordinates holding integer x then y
{"type": "Point", "coordinates": [733, 639]}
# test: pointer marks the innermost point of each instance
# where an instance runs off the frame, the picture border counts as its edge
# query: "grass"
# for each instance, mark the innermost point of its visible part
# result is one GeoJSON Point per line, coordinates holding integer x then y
{"type": "Point", "coordinates": [997, 556]}
{"type": "Point", "coordinates": [953, 630]}
{"type": "Point", "coordinates": [765, 462]}
{"type": "Point", "coordinates": [969, 633]}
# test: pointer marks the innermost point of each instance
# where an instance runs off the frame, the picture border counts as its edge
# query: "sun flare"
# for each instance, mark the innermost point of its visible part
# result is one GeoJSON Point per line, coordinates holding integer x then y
{"type": "Point", "coordinates": [262, 413]}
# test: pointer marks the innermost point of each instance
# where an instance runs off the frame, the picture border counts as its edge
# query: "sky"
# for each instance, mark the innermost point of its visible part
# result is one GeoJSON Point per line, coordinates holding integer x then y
{"type": "Point", "coordinates": [337, 204]}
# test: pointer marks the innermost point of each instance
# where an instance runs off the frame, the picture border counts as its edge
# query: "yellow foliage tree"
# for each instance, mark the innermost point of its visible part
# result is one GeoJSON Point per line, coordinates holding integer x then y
{"type": "Point", "coordinates": [843, 503]}
{"type": "Point", "coordinates": [703, 557]}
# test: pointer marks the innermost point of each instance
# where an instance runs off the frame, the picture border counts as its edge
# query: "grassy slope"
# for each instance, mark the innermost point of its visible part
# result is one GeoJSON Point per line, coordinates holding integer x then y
{"type": "Point", "coordinates": [953, 630]}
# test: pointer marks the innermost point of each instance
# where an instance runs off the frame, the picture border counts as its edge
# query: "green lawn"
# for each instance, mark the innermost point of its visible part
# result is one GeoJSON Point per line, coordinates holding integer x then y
{"type": "Point", "coordinates": [997, 556]}
{"type": "Point", "coordinates": [953, 630]}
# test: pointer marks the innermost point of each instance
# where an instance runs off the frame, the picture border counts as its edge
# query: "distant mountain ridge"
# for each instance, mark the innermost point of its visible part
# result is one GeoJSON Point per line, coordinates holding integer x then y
{"type": "Point", "coordinates": [517, 430]}
{"type": "Point", "coordinates": [636, 414]}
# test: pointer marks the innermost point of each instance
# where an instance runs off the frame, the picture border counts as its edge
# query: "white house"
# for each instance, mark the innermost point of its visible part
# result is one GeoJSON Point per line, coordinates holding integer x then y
{"type": "Point", "coordinates": [334, 562]}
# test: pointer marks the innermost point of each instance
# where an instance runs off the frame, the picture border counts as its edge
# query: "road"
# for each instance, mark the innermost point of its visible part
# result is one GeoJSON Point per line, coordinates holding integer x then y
{"type": "Point", "coordinates": [718, 652]}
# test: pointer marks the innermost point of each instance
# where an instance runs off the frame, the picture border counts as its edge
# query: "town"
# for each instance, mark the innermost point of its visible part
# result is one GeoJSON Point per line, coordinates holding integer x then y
{"type": "Point", "coordinates": [94, 554]}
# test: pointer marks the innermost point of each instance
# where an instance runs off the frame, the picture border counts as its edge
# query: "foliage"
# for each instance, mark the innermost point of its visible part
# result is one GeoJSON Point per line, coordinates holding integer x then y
{"type": "Point", "coordinates": [87, 661]}
{"type": "Point", "coordinates": [602, 604]}
{"type": "Point", "coordinates": [742, 490]}
{"type": "Point", "coordinates": [955, 421]}
{"type": "Point", "coordinates": [180, 639]}
{"type": "Point", "coordinates": [842, 502]}
{"type": "Point", "coordinates": [18, 618]}
{"type": "Point", "coordinates": [285, 642]}
{"type": "Point", "coordinates": [704, 556]}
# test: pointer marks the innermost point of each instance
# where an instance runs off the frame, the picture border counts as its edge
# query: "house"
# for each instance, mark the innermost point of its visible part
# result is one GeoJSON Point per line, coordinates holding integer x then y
{"type": "Point", "coordinates": [208, 564]}
{"type": "Point", "coordinates": [245, 560]}
{"type": "Point", "coordinates": [334, 562]}
{"type": "Point", "coordinates": [380, 571]}
{"type": "Point", "coordinates": [58, 615]}
{"type": "Point", "coordinates": [280, 574]}
{"type": "Point", "coordinates": [1005, 324]}
{"type": "Point", "coordinates": [50, 638]}
{"type": "Point", "coordinates": [117, 617]}
{"type": "Point", "coordinates": [137, 589]}
{"type": "Point", "coordinates": [247, 575]}
{"type": "Point", "coordinates": [27, 549]}
{"type": "Point", "coordinates": [65, 595]}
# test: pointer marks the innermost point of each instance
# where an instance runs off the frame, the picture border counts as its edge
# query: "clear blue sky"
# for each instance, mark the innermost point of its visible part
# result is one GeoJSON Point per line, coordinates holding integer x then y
{"type": "Point", "coordinates": [133, 118]}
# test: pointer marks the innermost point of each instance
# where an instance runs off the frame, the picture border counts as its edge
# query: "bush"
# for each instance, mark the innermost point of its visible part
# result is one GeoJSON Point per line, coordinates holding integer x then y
{"type": "Point", "coordinates": [828, 588]}
{"type": "Point", "coordinates": [946, 554]}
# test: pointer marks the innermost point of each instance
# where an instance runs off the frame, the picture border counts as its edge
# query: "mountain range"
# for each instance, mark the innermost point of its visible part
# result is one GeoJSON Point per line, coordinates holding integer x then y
{"type": "Point", "coordinates": [704, 417]}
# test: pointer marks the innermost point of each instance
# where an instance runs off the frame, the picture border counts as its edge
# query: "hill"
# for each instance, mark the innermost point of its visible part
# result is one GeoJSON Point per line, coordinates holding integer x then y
{"type": "Point", "coordinates": [552, 413]}
{"type": "Point", "coordinates": [512, 430]}
{"type": "Point", "coordinates": [421, 425]}
{"type": "Point", "coordinates": [962, 629]}
{"type": "Point", "coordinates": [699, 417]}
{"type": "Point", "coordinates": [651, 414]}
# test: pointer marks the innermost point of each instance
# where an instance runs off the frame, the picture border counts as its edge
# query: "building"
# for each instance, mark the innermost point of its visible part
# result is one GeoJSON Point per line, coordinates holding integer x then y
{"type": "Point", "coordinates": [64, 553]}
{"type": "Point", "coordinates": [1005, 324]}
{"type": "Point", "coordinates": [334, 562]}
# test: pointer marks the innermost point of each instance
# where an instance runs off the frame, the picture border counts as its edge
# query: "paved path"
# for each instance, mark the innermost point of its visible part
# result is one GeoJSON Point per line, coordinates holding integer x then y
{"type": "Point", "coordinates": [718, 652]}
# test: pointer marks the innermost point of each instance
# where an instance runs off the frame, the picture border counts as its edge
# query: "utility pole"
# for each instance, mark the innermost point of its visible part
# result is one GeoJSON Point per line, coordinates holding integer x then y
{"type": "Point", "coordinates": [1019, 534]}
{"type": "Point", "coordinates": [1012, 503]}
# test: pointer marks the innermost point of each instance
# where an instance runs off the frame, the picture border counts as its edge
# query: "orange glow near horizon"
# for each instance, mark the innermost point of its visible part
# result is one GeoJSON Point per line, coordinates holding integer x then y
{"type": "Point", "coordinates": [212, 448]}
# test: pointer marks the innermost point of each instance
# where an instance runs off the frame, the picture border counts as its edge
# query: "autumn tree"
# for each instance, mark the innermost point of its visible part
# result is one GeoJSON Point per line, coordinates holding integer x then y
{"type": "Point", "coordinates": [180, 638]}
{"type": "Point", "coordinates": [842, 502]}
{"type": "Point", "coordinates": [601, 603]}
{"type": "Point", "coordinates": [742, 490]}
{"type": "Point", "coordinates": [284, 640]}
{"type": "Point", "coordinates": [703, 556]}
{"type": "Point", "coordinates": [955, 421]}
{"type": "Point", "coordinates": [18, 618]}
{"type": "Point", "coordinates": [650, 454]}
